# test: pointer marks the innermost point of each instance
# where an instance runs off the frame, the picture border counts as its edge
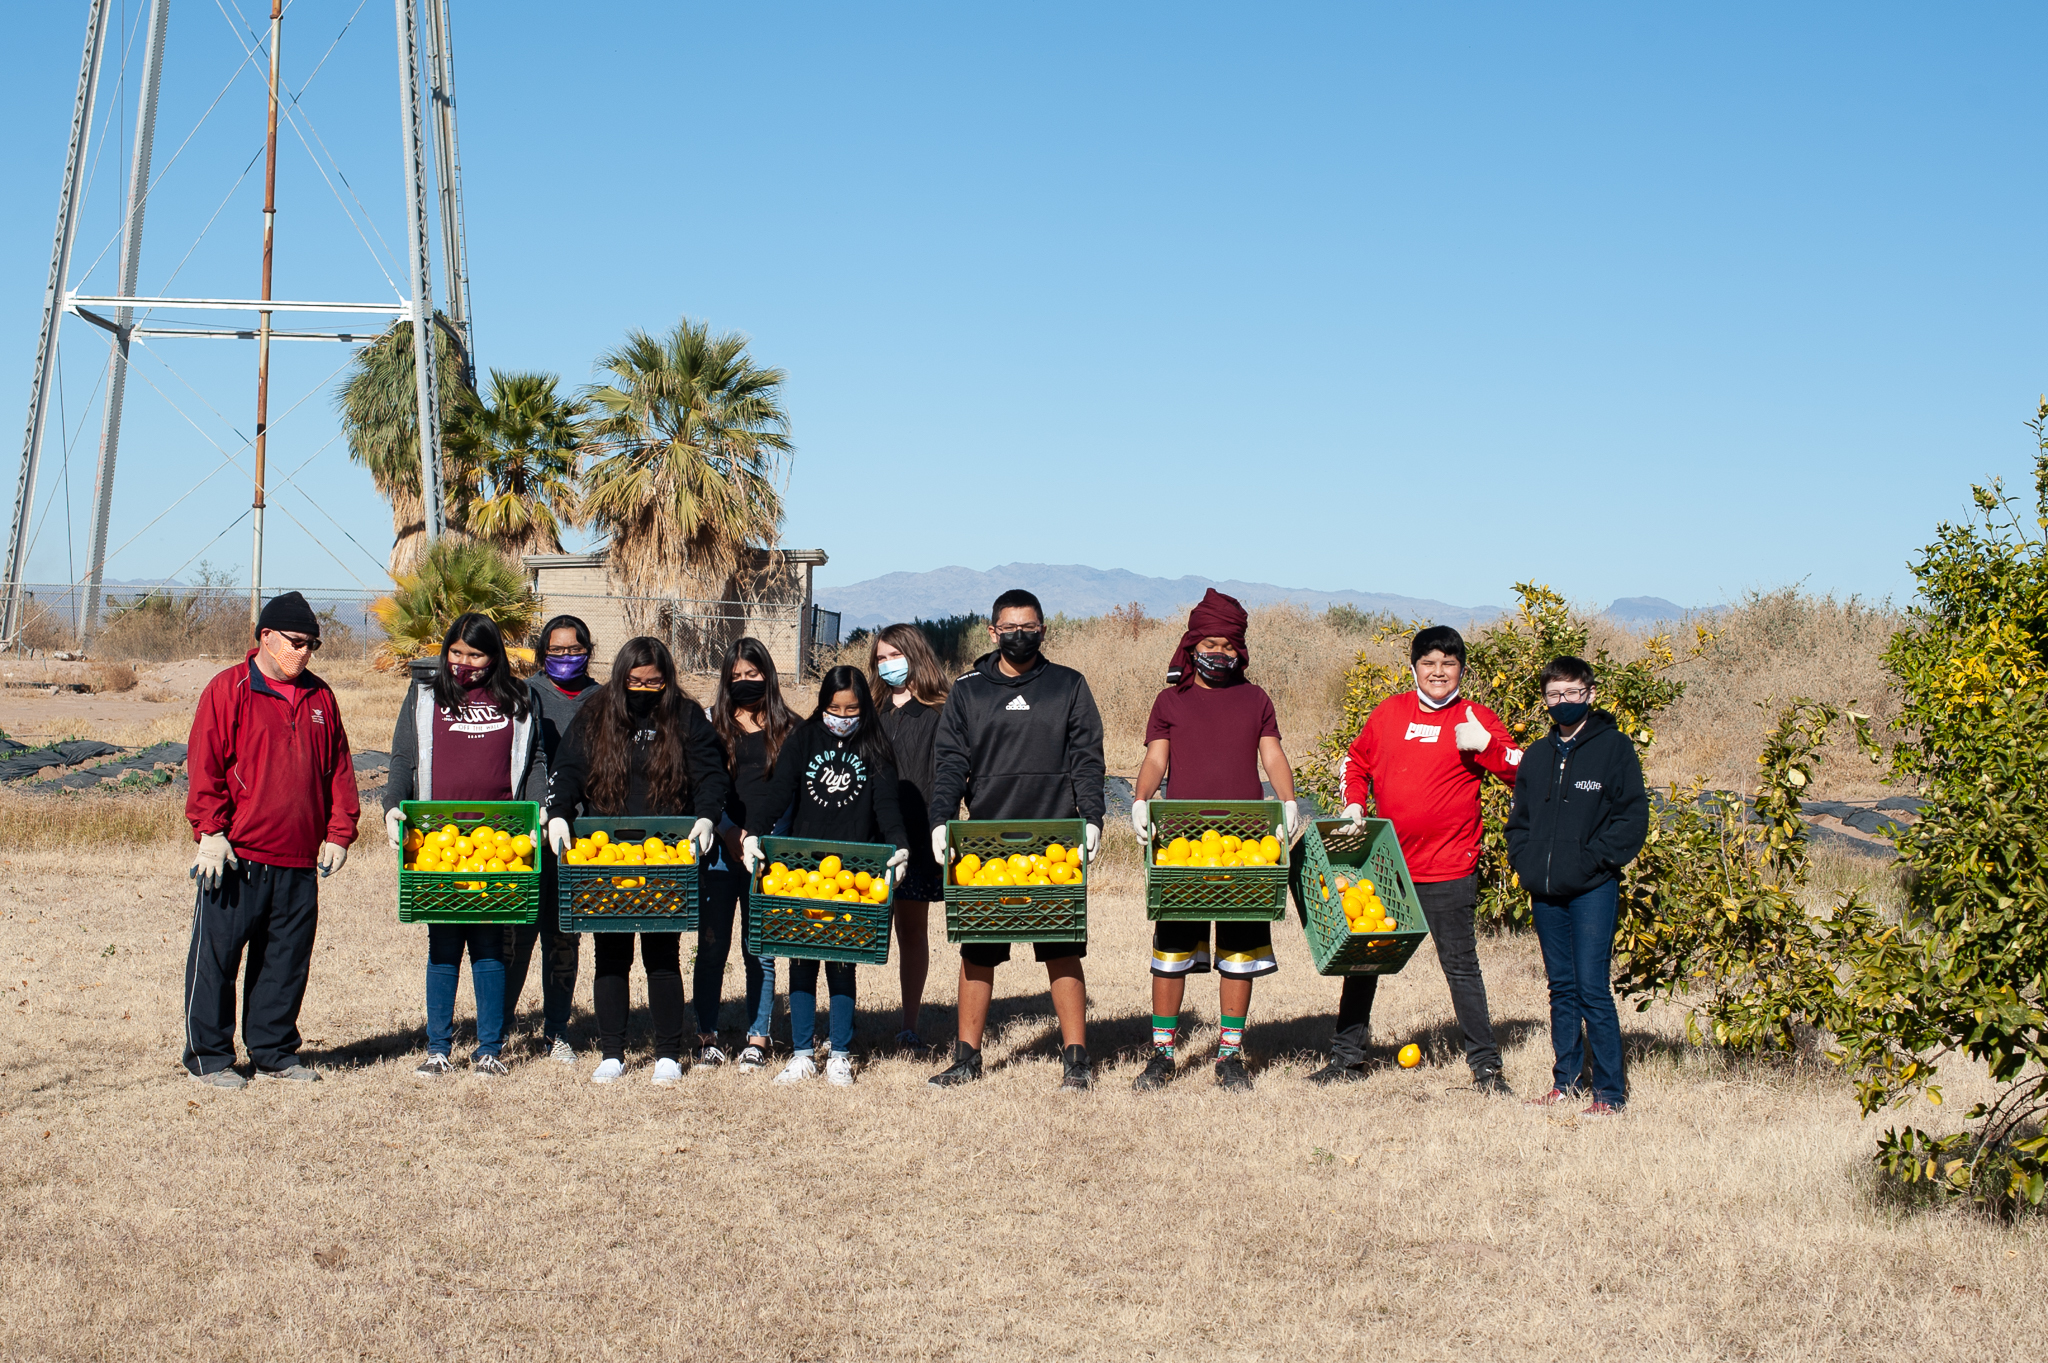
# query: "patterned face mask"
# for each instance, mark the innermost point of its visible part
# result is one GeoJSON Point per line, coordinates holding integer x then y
{"type": "Point", "coordinates": [469, 674]}
{"type": "Point", "coordinates": [842, 725]}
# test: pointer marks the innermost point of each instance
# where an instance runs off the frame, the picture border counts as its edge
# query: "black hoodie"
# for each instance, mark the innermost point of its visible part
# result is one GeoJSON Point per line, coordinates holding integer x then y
{"type": "Point", "coordinates": [1026, 747]}
{"type": "Point", "coordinates": [831, 791]}
{"type": "Point", "coordinates": [1580, 812]}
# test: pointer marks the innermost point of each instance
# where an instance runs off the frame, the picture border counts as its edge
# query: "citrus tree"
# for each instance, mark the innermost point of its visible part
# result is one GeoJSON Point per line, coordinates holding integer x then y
{"type": "Point", "coordinates": [1966, 974]}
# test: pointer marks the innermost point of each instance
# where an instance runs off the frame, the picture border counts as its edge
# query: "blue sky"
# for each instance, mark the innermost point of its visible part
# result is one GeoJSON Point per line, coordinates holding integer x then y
{"type": "Point", "coordinates": [1390, 298]}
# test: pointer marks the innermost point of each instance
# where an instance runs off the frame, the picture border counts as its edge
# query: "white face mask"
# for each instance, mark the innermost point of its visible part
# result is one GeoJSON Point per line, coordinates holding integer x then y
{"type": "Point", "coordinates": [842, 725]}
{"type": "Point", "coordinates": [894, 671]}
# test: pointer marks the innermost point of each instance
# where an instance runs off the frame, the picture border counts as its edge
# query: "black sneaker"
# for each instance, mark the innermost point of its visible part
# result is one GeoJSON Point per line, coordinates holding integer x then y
{"type": "Point", "coordinates": [433, 1067]}
{"type": "Point", "coordinates": [1493, 1084]}
{"type": "Point", "coordinates": [912, 1046]}
{"type": "Point", "coordinates": [1074, 1060]}
{"type": "Point", "coordinates": [752, 1057]}
{"type": "Point", "coordinates": [1232, 1076]}
{"type": "Point", "coordinates": [709, 1057]}
{"type": "Point", "coordinates": [1334, 1073]}
{"type": "Point", "coordinates": [1159, 1071]}
{"type": "Point", "coordinates": [965, 1069]}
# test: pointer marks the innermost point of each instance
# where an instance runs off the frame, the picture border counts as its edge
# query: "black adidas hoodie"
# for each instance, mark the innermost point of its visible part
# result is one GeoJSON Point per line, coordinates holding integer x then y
{"type": "Point", "coordinates": [1026, 747]}
{"type": "Point", "coordinates": [1580, 812]}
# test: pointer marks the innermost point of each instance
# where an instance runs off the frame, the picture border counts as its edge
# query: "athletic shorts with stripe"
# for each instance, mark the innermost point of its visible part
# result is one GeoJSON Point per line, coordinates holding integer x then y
{"type": "Point", "coordinates": [1242, 949]}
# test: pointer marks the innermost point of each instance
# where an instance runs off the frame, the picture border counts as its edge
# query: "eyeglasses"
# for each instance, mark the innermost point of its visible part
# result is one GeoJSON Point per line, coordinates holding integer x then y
{"type": "Point", "coordinates": [1028, 631]}
{"type": "Point", "coordinates": [1576, 694]}
{"type": "Point", "coordinates": [299, 643]}
{"type": "Point", "coordinates": [646, 686]}
{"type": "Point", "coordinates": [572, 651]}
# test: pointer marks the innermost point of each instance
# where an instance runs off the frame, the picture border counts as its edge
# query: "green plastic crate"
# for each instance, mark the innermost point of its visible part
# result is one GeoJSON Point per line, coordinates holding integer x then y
{"type": "Point", "coordinates": [588, 901]}
{"type": "Point", "coordinates": [1327, 851]}
{"type": "Point", "coordinates": [1014, 913]}
{"type": "Point", "coordinates": [1232, 894]}
{"type": "Point", "coordinates": [777, 925]}
{"type": "Point", "coordinates": [456, 897]}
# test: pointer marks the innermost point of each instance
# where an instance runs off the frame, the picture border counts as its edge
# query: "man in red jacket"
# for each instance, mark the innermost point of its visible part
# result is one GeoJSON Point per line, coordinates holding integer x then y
{"type": "Point", "coordinates": [273, 796]}
{"type": "Point", "coordinates": [1421, 759]}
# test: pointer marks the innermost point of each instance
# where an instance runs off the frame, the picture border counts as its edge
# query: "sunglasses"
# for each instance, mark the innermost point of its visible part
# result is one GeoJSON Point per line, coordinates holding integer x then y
{"type": "Point", "coordinates": [299, 643]}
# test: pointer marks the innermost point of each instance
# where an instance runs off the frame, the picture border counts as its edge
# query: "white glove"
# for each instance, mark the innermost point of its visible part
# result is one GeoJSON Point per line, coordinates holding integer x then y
{"type": "Point", "coordinates": [1356, 814]}
{"type": "Point", "coordinates": [701, 834]}
{"type": "Point", "coordinates": [941, 853]}
{"type": "Point", "coordinates": [897, 866]}
{"type": "Point", "coordinates": [1471, 736]}
{"type": "Point", "coordinates": [1091, 838]}
{"type": "Point", "coordinates": [1290, 814]}
{"type": "Point", "coordinates": [394, 826]}
{"type": "Point", "coordinates": [332, 856]}
{"type": "Point", "coordinates": [214, 857]}
{"type": "Point", "coordinates": [750, 853]}
{"type": "Point", "coordinates": [558, 836]}
{"type": "Point", "coordinates": [1141, 819]}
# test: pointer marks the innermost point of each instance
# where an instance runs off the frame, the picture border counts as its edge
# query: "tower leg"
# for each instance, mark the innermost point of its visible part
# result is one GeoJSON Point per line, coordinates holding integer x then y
{"type": "Point", "coordinates": [427, 378]}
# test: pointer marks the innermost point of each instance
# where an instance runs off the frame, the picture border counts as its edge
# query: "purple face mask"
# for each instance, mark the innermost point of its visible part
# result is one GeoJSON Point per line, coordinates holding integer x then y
{"type": "Point", "coordinates": [568, 667]}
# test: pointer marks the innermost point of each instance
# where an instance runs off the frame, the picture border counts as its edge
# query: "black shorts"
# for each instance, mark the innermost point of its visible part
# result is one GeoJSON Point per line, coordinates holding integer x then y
{"type": "Point", "coordinates": [991, 954]}
{"type": "Point", "coordinates": [1244, 950]}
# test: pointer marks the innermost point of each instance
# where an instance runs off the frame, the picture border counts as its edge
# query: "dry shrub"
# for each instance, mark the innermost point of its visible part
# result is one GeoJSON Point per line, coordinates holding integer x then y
{"type": "Point", "coordinates": [56, 823]}
{"type": "Point", "coordinates": [113, 677]}
{"type": "Point", "coordinates": [1770, 648]}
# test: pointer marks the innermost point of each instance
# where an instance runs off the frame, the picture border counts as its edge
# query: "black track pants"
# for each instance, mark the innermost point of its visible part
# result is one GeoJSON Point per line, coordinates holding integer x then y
{"type": "Point", "coordinates": [273, 912]}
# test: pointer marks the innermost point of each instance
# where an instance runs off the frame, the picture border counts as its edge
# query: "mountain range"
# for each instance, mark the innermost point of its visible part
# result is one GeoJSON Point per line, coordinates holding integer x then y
{"type": "Point", "coordinates": [1077, 590]}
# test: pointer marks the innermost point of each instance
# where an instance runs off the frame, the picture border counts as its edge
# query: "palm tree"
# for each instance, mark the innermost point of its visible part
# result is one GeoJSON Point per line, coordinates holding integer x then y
{"type": "Point", "coordinates": [450, 578]}
{"type": "Point", "coordinates": [687, 437]}
{"type": "Point", "coordinates": [514, 459]}
{"type": "Point", "coordinates": [380, 416]}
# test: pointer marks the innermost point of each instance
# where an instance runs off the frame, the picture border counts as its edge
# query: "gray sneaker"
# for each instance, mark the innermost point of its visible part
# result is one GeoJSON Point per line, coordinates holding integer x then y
{"type": "Point", "coordinates": [295, 1072]}
{"type": "Point", "coordinates": [433, 1067]}
{"type": "Point", "coordinates": [488, 1067]}
{"type": "Point", "coordinates": [219, 1079]}
{"type": "Point", "coordinates": [560, 1050]}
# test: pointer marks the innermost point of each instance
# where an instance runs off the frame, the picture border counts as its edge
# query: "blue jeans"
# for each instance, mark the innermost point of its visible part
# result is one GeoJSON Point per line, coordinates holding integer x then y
{"type": "Point", "coordinates": [721, 893]}
{"type": "Point", "coordinates": [1578, 955]}
{"type": "Point", "coordinates": [803, 1004]}
{"type": "Point", "coordinates": [486, 943]}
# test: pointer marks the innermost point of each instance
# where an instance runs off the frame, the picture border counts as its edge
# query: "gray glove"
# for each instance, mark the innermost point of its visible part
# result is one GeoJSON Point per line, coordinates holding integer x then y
{"type": "Point", "coordinates": [701, 834]}
{"type": "Point", "coordinates": [750, 854]}
{"type": "Point", "coordinates": [558, 836]}
{"type": "Point", "coordinates": [394, 826]}
{"type": "Point", "coordinates": [332, 856]}
{"type": "Point", "coordinates": [941, 853]}
{"type": "Point", "coordinates": [215, 856]}
{"type": "Point", "coordinates": [897, 866]}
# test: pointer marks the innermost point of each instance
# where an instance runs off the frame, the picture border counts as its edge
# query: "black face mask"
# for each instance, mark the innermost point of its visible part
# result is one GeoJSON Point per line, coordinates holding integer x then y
{"type": "Point", "coordinates": [1020, 646]}
{"type": "Point", "coordinates": [1568, 713]}
{"type": "Point", "coordinates": [640, 704]}
{"type": "Point", "coordinates": [1216, 666]}
{"type": "Point", "coordinates": [747, 694]}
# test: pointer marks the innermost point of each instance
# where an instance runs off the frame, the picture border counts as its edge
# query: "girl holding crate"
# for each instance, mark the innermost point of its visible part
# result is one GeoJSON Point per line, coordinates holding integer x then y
{"type": "Point", "coordinates": [639, 746]}
{"type": "Point", "coordinates": [468, 733]}
{"type": "Point", "coordinates": [837, 780]}
{"type": "Point", "coordinates": [753, 722]}
{"type": "Point", "coordinates": [911, 690]}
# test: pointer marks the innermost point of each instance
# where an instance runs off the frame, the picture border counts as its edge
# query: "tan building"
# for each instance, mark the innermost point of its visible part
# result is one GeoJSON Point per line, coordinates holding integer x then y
{"type": "Point", "coordinates": [772, 602]}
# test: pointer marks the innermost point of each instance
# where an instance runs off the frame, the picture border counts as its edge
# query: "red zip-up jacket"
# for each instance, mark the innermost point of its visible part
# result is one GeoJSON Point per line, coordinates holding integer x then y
{"type": "Point", "coordinates": [1423, 784]}
{"type": "Point", "coordinates": [276, 779]}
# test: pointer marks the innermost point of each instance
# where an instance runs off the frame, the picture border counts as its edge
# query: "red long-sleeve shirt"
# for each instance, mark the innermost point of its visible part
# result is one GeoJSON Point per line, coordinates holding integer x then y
{"type": "Point", "coordinates": [274, 775]}
{"type": "Point", "coordinates": [1409, 758]}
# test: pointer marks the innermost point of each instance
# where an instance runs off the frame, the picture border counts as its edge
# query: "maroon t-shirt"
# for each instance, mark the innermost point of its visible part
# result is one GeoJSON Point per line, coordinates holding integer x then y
{"type": "Point", "coordinates": [473, 751]}
{"type": "Point", "coordinates": [1215, 734]}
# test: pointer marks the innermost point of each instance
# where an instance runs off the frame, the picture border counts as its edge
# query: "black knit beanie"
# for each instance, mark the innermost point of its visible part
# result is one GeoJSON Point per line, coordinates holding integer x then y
{"type": "Point", "coordinates": [288, 614]}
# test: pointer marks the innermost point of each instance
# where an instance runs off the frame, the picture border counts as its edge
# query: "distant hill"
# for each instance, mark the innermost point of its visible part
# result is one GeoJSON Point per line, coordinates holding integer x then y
{"type": "Point", "coordinates": [1080, 591]}
{"type": "Point", "coordinates": [1651, 610]}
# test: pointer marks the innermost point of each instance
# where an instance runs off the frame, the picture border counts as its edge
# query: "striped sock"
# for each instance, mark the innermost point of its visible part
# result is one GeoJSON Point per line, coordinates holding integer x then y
{"type": "Point", "coordinates": [1162, 1032]}
{"type": "Point", "coordinates": [1232, 1037]}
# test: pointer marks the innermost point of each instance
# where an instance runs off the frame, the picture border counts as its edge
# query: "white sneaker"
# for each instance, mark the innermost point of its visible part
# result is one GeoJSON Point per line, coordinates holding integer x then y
{"type": "Point", "coordinates": [799, 1068]}
{"type": "Point", "coordinates": [610, 1072]}
{"type": "Point", "coordinates": [667, 1072]}
{"type": "Point", "coordinates": [839, 1070]}
{"type": "Point", "coordinates": [560, 1049]}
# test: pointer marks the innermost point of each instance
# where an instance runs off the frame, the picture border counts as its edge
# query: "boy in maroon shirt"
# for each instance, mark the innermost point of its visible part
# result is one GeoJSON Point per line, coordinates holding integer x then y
{"type": "Point", "coordinates": [1216, 730]}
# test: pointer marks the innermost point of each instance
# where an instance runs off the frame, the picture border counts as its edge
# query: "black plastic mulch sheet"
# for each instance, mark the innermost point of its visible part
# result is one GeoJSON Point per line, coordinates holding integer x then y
{"type": "Point", "coordinates": [20, 766]}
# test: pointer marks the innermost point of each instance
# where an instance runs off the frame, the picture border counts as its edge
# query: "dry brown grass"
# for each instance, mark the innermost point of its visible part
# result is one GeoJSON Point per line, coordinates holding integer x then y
{"type": "Point", "coordinates": [1731, 1213]}
{"type": "Point", "coordinates": [57, 823]}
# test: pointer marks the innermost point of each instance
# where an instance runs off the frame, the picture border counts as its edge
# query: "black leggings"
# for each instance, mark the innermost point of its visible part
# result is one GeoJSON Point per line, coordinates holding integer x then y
{"type": "Point", "coordinates": [661, 953]}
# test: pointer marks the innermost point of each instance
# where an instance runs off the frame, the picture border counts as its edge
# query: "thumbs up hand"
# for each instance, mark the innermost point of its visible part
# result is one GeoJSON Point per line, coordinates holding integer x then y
{"type": "Point", "coordinates": [1472, 736]}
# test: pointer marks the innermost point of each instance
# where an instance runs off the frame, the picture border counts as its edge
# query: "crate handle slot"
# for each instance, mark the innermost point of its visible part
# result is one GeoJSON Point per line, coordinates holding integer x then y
{"type": "Point", "coordinates": [1013, 899]}
{"type": "Point", "coordinates": [472, 814]}
{"type": "Point", "coordinates": [1219, 877]}
{"type": "Point", "coordinates": [1214, 813]}
{"type": "Point", "coordinates": [1017, 835]}
{"type": "Point", "coordinates": [631, 834]}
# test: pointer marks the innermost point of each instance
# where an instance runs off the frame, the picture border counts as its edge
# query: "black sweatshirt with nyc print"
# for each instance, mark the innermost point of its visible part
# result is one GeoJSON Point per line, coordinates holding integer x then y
{"type": "Point", "coordinates": [831, 791]}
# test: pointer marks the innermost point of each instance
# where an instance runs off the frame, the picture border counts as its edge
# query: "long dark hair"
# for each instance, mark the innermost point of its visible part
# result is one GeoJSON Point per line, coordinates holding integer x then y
{"type": "Point", "coordinates": [480, 632]}
{"type": "Point", "coordinates": [609, 728]}
{"type": "Point", "coordinates": [927, 682]}
{"type": "Point", "coordinates": [868, 741]}
{"type": "Point", "coordinates": [778, 721]}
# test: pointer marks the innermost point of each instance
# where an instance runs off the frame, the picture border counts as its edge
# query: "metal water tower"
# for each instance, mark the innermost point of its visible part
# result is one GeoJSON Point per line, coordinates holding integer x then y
{"type": "Point", "coordinates": [426, 94]}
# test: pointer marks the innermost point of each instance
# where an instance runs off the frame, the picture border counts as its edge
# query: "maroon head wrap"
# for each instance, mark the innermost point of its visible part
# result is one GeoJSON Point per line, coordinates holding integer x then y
{"type": "Point", "coordinates": [1216, 617]}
